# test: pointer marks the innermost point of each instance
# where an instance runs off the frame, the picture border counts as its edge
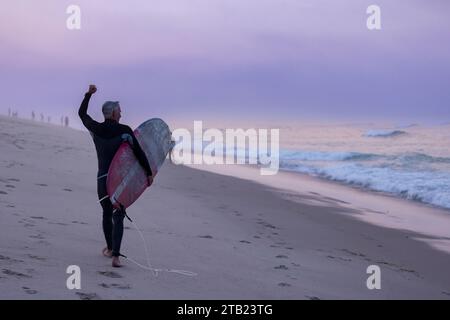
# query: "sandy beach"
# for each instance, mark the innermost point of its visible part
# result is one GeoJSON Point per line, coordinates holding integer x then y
{"type": "Point", "coordinates": [287, 236]}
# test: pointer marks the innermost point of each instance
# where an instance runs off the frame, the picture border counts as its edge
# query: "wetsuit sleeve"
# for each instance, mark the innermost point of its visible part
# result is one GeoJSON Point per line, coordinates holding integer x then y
{"type": "Point", "coordinates": [140, 154]}
{"type": "Point", "coordinates": [88, 122]}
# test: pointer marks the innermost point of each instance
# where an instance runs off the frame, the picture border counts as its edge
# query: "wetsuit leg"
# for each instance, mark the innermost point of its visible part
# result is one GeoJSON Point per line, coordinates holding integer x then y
{"type": "Point", "coordinates": [107, 213]}
{"type": "Point", "coordinates": [117, 232]}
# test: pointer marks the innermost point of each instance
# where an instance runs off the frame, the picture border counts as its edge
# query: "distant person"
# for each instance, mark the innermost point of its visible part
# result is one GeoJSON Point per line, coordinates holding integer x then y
{"type": "Point", "coordinates": [108, 136]}
{"type": "Point", "coordinates": [42, 117]}
{"type": "Point", "coordinates": [66, 121]}
{"type": "Point", "coordinates": [49, 119]}
{"type": "Point", "coordinates": [33, 115]}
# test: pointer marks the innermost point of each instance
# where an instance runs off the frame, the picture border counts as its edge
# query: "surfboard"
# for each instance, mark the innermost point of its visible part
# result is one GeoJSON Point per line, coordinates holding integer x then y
{"type": "Point", "coordinates": [126, 179]}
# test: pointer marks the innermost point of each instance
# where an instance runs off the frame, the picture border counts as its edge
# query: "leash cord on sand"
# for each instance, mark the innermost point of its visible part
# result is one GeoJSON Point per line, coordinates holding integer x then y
{"type": "Point", "coordinates": [149, 265]}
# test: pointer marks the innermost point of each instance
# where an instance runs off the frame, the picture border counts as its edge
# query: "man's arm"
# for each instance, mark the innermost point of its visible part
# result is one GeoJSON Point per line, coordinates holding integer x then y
{"type": "Point", "coordinates": [88, 122]}
{"type": "Point", "coordinates": [140, 154]}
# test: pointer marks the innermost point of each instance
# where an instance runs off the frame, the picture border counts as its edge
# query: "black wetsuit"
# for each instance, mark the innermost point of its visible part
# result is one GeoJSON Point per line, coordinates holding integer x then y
{"type": "Point", "coordinates": [108, 136]}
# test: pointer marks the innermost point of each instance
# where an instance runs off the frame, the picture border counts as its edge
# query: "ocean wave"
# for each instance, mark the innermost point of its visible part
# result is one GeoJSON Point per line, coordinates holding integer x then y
{"type": "Point", "coordinates": [421, 157]}
{"type": "Point", "coordinates": [383, 133]}
{"type": "Point", "coordinates": [425, 186]}
{"type": "Point", "coordinates": [326, 156]}
{"type": "Point", "coordinates": [405, 126]}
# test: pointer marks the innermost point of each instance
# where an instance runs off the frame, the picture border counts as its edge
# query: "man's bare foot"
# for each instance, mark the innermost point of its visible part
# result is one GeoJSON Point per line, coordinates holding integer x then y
{"type": "Point", "coordinates": [107, 253]}
{"type": "Point", "coordinates": [116, 262]}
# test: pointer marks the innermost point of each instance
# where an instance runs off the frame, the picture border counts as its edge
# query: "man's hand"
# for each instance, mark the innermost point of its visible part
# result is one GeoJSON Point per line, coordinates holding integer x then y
{"type": "Point", "coordinates": [92, 89]}
{"type": "Point", "coordinates": [150, 180]}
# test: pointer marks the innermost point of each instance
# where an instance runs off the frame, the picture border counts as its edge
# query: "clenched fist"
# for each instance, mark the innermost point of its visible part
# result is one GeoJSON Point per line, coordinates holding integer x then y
{"type": "Point", "coordinates": [92, 89]}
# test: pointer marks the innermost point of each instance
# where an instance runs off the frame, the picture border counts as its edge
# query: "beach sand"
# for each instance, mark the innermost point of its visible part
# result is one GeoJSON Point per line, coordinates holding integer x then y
{"type": "Point", "coordinates": [283, 237]}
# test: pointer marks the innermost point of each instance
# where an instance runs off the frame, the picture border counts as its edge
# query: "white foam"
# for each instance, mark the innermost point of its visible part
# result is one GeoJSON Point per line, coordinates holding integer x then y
{"type": "Point", "coordinates": [383, 133]}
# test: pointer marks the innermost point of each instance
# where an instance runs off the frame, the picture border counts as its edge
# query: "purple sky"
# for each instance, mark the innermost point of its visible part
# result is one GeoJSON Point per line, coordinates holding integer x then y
{"type": "Point", "coordinates": [199, 59]}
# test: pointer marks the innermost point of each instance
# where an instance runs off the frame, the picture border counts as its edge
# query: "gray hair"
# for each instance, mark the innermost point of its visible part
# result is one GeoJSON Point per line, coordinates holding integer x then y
{"type": "Point", "coordinates": [108, 108]}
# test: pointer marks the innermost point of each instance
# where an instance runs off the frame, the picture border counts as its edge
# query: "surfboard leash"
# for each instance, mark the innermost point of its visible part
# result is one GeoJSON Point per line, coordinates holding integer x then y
{"type": "Point", "coordinates": [149, 266]}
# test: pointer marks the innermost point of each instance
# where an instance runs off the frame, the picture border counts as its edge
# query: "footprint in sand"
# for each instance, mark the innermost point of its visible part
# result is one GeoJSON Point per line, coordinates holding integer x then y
{"type": "Point", "coordinates": [79, 222]}
{"type": "Point", "coordinates": [313, 297]}
{"type": "Point", "coordinates": [281, 267]}
{"type": "Point", "coordinates": [36, 257]}
{"type": "Point", "coordinates": [206, 236]}
{"type": "Point", "coordinates": [43, 242]}
{"type": "Point", "coordinates": [29, 291]}
{"type": "Point", "coordinates": [244, 241]}
{"type": "Point", "coordinates": [281, 256]}
{"type": "Point", "coordinates": [358, 254]}
{"type": "Point", "coordinates": [87, 296]}
{"type": "Point", "coordinates": [284, 284]}
{"type": "Point", "coordinates": [67, 189]}
{"type": "Point", "coordinates": [266, 224]}
{"type": "Point", "coordinates": [339, 258]}
{"type": "Point", "coordinates": [15, 273]}
{"type": "Point", "coordinates": [10, 186]}
{"type": "Point", "coordinates": [59, 223]}
{"type": "Point", "coordinates": [223, 207]}
{"type": "Point", "coordinates": [38, 218]}
{"type": "Point", "coordinates": [257, 237]}
{"type": "Point", "coordinates": [3, 192]}
{"type": "Point", "coordinates": [37, 236]}
{"type": "Point", "coordinates": [27, 225]}
{"type": "Point", "coordinates": [115, 285]}
{"type": "Point", "coordinates": [14, 179]}
{"type": "Point", "coordinates": [5, 258]}
{"type": "Point", "coordinates": [110, 274]}
{"type": "Point", "coordinates": [41, 184]}
{"type": "Point", "coordinates": [13, 164]}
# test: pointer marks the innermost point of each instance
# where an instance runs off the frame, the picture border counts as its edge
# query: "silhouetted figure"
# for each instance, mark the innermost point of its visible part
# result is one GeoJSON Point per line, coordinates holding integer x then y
{"type": "Point", "coordinates": [42, 117]}
{"type": "Point", "coordinates": [66, 121]}
{"type": "Point", "coordinates": [33, 115]}
{"type": "Point", "coordinates": [49, 119]}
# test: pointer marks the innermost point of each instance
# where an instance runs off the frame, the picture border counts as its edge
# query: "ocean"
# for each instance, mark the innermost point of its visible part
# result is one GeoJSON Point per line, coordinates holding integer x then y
{"type": "Point", "coordinates": [409, 161]}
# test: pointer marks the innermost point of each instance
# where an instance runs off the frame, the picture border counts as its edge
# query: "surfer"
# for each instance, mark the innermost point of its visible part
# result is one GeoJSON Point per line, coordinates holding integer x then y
{"type": "Point", "coordinates": [108, 136]}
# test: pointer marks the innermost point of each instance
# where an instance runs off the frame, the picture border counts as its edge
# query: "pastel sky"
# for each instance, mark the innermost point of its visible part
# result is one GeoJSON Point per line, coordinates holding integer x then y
{"type": "Point", "coordinates": [284, 59]}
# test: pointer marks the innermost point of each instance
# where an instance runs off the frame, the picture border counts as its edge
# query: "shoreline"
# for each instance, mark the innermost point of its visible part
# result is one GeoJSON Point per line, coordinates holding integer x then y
{"type": "Point", "coordinates": [413, 220]}
{"type": "Point", "coordinates": [368, 190]}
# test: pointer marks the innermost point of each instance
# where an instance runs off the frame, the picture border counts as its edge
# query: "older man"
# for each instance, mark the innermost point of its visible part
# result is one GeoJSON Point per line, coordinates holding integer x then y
{"type": "Point", "coordinates": [108, 136]}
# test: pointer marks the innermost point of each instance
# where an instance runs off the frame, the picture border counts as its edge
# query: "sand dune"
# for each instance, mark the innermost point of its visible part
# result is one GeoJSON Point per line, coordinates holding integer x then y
{"type": "Point", "coordinates": [243, 239]}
